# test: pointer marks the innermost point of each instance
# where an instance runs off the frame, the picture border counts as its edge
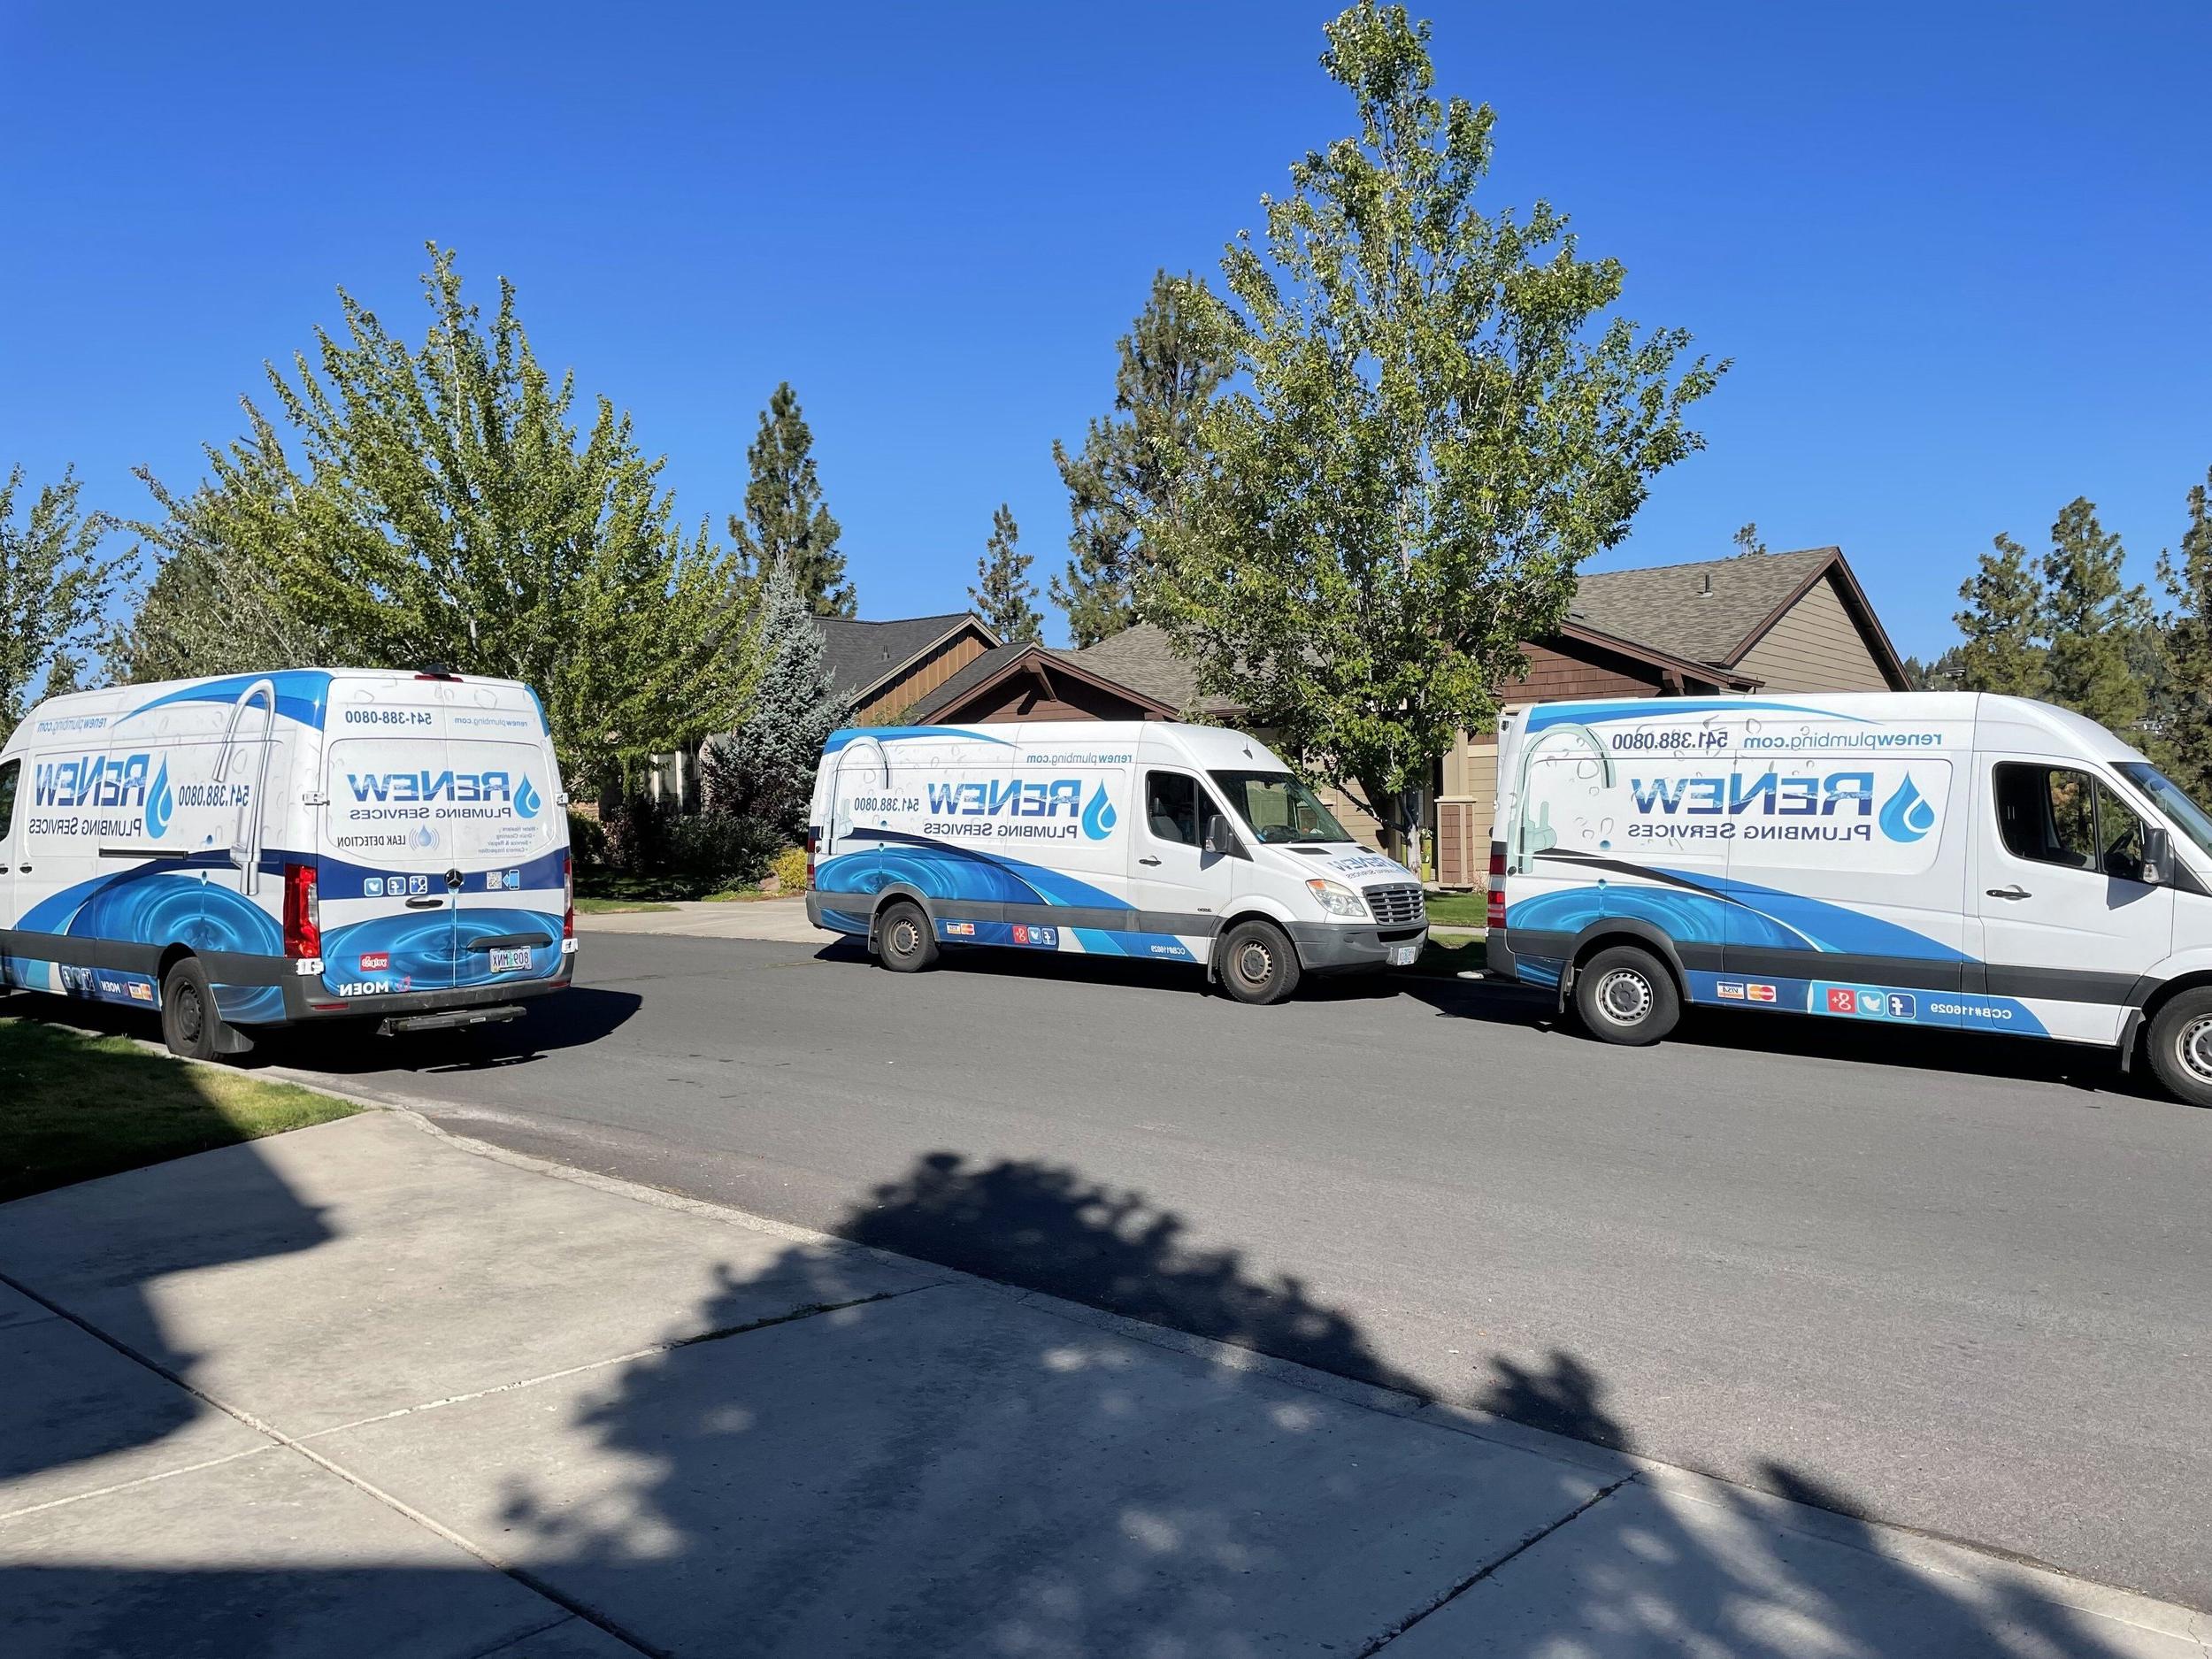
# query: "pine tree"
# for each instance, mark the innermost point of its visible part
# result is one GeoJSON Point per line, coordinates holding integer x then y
{"type": "Point", "coordinates": [1134, 465]}
{"type": "Point", "coordinates": [2090, 619]}
{"type": "Point", "coordinates": [2184, 714]}
{"type": "Point", "coordinates": [764, 770]}
{"type": "Point", "coordinates": [2002, 651]}
{"type": "Point", "coordinates": [1004, 597]}
{"type": "Point", "coordinates": [785, 521]}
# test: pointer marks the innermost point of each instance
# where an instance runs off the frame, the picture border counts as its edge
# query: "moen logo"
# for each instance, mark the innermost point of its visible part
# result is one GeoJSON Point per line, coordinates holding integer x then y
{"type": "Point", "coordinates": [440, 786]}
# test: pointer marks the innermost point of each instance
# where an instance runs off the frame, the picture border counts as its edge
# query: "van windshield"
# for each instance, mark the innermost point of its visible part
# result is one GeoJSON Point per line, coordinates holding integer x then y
{"type": "Point", "coordinates": [2186, 815]}
{"type": "Point", "coordinates": [1278, 807]}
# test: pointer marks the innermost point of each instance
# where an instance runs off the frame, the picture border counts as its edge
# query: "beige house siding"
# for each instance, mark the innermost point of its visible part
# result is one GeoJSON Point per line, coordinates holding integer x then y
{"type": "Point", "coordinates": [1815, 647]}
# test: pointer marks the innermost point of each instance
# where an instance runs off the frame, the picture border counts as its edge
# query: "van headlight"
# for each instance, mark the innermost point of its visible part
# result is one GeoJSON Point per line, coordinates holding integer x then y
{"type": "Point", "coordinates": [1337, 899]}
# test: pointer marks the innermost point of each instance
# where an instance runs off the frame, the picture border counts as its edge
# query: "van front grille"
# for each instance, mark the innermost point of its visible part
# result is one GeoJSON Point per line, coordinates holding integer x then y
{"type": "Point", "coordinates": [1395, 906]}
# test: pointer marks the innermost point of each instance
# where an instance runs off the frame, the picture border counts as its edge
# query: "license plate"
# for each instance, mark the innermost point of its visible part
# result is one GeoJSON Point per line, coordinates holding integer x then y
{"type": "Point", "coordinates": [508, 961]}
{"type": "Point", "coordinates": [1402, 956]}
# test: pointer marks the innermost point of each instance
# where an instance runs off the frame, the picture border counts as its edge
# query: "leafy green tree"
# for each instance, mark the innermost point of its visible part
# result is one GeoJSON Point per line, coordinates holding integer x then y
{"type": "Point", "coordinates": [54, 588]}
{"type": "Point", "coordinates": [2092, 620]}
{"type": "Point", "coordinates": [785, 521]}
{"type": "Point", "coordinates": [1749, 543]}
{"type": "Point", "coordinates": [2185, 710]}
{"type": "Point", "coordinates": [2003, 649]}
{"type": "Point", "coordinates": [764, 770]}
{"type": "Point", "coordinates": [1135, 465]}
{"type": "Point", "coordinates": [1004, 597]}
{"type": "Point", "coordinates": [445, 510]}
{"type": "Point", "coordinates": [1444, 419]}
{"type": "Point", "coordinates": [217, 604]}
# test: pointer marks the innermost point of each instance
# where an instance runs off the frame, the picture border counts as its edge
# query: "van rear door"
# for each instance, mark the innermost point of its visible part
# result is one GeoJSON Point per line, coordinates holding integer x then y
{"type": "Point", "coordinates": [508, 842]}
{"type": "Point", "coordinates": [386, 857]}
{"type": "Point", "coordinates": [441, 846]}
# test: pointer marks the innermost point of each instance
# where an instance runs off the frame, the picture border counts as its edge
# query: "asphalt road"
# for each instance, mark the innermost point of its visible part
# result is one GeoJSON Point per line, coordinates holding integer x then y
{"type": "Point", "coordinates": [1960, 1285]}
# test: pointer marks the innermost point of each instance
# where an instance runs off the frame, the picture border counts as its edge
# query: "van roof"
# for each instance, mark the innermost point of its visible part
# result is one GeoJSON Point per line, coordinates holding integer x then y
{"type": "Point", "coordinates": [306, 685]}
{"type": "Point", "coordinates": [1206, 747]}
{"type": "Point", "coordinates": [2074, 731]}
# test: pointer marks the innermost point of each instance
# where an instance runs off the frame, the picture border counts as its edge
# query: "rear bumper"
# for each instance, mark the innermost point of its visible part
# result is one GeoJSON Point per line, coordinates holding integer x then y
{"type": "Point", "coordinates": [298, 1010]}
{"type": "Point", "coordinates": [1323, 948]}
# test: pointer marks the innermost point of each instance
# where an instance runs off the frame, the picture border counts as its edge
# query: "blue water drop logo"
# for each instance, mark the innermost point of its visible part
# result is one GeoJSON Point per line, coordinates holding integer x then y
{"type": "Point", "coordinates": [1906, 816]}
{"type": "Point", "coordinates": [526, 800]}
{"type": "Point", "coordinates": [159, 805]}
{"type": "Point", "coordinates": [1099, 815]}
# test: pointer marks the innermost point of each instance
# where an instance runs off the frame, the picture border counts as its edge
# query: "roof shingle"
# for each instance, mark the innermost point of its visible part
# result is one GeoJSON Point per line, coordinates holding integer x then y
{"type": "Point", "coordinates": [1704, 611]}
{"type": "Point", "coordinates": [858, 654]}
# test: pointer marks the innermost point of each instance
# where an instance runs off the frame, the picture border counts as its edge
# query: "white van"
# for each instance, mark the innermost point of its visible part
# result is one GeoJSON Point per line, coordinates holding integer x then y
{"type": "Point", "coordinates": [1936, 859]}
{"type": "Point", "coordinates": [263, 849]}
{"type": "Point", "coordinates": [1175, 843]}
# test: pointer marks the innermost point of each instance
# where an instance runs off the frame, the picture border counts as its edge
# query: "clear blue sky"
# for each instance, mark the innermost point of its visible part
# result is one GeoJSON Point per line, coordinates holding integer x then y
{"type": "Point", "coordinates": [1961, 255]}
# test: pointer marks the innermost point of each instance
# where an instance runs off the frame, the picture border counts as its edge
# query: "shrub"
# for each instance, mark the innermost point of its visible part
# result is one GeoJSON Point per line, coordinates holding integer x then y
{"type": "Point", "coordinates": [789, 869]}
{"type": "Point", "coordinates": [720, 850]}
{"type": "Point", "coordinates": [587, 840]}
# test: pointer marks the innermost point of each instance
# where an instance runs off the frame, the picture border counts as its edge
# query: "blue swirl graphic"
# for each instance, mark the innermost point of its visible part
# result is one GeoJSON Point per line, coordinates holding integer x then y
{"type": "Point", "coordinates": [1099, 815]}
{"type": "Point", "coordinates": [159, 802]}
{"type": "Point", "coordinates": [1905, 815]}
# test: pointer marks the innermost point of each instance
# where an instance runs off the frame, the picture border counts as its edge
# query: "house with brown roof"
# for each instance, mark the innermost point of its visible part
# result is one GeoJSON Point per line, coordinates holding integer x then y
{"type": "Point", "coordinates": [1762, 621]}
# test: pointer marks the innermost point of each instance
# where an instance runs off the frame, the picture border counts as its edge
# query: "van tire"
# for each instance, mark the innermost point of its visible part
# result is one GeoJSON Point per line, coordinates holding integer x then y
{"type": "Point", "coordinates": [2181, 1046]}
{"type": "Point", "coordinates": [1258, 963]}
{"type": "Point", "coordinates": [904, 940]}
{"type": "Point", "coordinates": [189, 1023]}
{"type": "Point", "coordinates": [1626, 995]}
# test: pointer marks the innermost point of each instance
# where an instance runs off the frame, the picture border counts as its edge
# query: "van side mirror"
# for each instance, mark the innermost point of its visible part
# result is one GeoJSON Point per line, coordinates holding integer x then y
{"type": "Point", "coordinates": [1219, 837]}
{"type": "Point", "coordinates": [2157, 855]}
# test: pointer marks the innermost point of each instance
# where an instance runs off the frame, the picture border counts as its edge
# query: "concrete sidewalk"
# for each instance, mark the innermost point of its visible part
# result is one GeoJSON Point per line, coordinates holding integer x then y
{"type": "Point", "coordinates": [780, 919]}
{"type": "Point", "coordinates": [365, 1389]}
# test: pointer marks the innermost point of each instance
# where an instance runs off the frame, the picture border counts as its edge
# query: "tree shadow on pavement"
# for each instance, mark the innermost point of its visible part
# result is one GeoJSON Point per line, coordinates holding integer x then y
{"type": "Point", "coordinates": [938, 1472]}
{"type": "Point", "coordinates": [936, 1465]}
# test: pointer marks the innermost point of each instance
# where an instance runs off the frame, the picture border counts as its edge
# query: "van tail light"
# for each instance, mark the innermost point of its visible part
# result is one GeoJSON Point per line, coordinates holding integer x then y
{"type": "Point", "coordinates": [813, 840]}
{"type": "Point", "coordinates": [1496, 914]}
{"type": "Point", "coordinates": [568, 896]}
{"type": "Point", "coordinates": [302, 913]}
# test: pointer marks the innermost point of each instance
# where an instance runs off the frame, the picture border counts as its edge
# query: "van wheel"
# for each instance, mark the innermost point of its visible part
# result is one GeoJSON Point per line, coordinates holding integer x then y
{"type": "Point", "coordinates": [1626, 995]}
{"type": "Point", "coordinates": [2181, 1047]}
{"type": "Point", "coordinates": [904, 939]}
{"type": "Point", "coordinates": [189, 1023]}
{"type": "Point", "coordinates": [1258, 964]}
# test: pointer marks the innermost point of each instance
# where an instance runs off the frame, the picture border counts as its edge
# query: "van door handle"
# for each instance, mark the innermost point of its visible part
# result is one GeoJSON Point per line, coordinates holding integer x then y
{"type": "Point", "coordinates": [23, 870]}
{"type": "Point", "coordinates": [2016, 891]}
{"type": "Point", "coordinates": [425, 904]}
{"type": "Point", "coordinates": [1142, 861]}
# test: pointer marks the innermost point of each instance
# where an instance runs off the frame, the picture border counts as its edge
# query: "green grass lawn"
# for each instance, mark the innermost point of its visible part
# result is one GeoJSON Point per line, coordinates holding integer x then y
{"type": "Point", "coordinates": [74, 1105]}
{"type": "Point", "coordinates": [1458, 910]}
{"type": "Point", "coordinates": [586, 905]}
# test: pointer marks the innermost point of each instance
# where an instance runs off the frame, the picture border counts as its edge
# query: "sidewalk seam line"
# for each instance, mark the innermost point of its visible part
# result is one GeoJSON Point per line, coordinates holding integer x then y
{"type": "Point", "coordinates": [654, 1349]}
{"type": "Point", "coordinates": [520, 1575]}
{"type": "Point", "coordinates": [136, 1482]}
{"type": "Point", "coordinates": [1490, 1568]}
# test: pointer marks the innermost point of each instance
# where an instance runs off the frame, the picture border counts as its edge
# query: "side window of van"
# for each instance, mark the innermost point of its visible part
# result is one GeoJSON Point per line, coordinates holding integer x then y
{"type": "Point", "coordinates": [2056, 815]}
{"type": "Point", "coordinates": [9, 772]}
{"type": "Point", "coordinates": [1171, 807]}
